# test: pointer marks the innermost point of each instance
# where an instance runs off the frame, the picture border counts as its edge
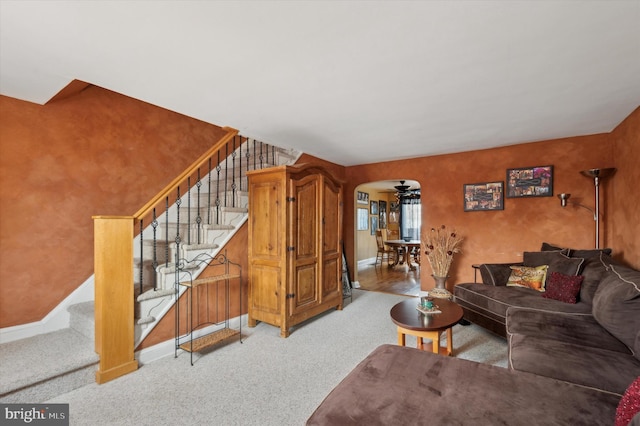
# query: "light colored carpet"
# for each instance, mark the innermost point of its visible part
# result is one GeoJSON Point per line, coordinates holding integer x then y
{"type": "Point", "coordinates": [267, 380]}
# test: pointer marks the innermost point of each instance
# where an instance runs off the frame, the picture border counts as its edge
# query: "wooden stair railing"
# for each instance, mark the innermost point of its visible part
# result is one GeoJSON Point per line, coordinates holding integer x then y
{"type": "Point", "coordinates": [114, 286]}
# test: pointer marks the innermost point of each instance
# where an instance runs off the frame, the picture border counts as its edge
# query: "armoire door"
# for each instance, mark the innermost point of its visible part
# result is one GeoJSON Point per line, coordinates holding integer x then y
{"type": "Point", "coordinates": [303, 285]}
{"type": "Point", "coordinates": [331, 237]}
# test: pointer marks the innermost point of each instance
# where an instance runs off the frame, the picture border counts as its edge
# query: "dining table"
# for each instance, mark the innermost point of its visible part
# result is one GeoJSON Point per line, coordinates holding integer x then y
{"type": "Point", "coordinates": [408, 246]}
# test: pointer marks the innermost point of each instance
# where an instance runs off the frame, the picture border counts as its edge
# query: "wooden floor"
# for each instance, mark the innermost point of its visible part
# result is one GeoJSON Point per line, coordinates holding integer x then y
{"type": "Point", "coordinates": [397, 280]}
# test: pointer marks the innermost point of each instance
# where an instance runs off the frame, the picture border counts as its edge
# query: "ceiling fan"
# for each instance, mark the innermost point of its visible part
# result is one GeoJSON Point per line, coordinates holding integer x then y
{"type": "Point", "coordinates": [402, 188]}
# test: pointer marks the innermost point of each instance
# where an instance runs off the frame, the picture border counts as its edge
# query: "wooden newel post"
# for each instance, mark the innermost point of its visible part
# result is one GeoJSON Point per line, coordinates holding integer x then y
{"type": "Point", "coordinates": [114, 316]}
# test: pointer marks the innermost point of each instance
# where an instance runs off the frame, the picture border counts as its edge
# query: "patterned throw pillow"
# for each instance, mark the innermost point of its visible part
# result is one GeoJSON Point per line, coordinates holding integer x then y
{"type": "Point", "coordinates": [564, 288]}
{"type": "Point", "coordinates": [530, 277]}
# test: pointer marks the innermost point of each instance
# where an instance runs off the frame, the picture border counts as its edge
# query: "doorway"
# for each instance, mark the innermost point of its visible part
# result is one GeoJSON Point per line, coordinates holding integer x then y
{"type": "Point", "coordinates": [393, 209]}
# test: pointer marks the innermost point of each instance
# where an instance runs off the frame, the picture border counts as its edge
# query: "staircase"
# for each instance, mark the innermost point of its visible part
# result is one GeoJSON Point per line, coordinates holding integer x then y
{"type": "Point", "coordinates": [38, 368]}
{"type": "Point", "coordinates": [217, 225]}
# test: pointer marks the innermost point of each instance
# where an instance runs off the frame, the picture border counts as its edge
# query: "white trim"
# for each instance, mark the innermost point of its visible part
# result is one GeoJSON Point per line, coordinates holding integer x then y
{"type": "Point", "coordinates": [366, 262]}
{"type": "Point", "coordinates": [57, 319]}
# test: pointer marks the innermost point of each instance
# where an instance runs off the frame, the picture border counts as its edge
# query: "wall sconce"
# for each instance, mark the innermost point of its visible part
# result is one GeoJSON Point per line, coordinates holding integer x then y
{"type": "Point", "coordinates": [596, 174]}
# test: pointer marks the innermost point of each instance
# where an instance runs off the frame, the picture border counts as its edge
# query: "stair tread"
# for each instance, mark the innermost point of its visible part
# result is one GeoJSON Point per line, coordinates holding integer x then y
{"type": "Point", "coordinates": [39, 358]}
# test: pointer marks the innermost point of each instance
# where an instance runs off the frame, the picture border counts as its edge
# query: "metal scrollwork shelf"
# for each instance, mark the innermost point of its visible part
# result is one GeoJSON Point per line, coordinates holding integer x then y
{"type": "Point", "coordinates": [206, 300]}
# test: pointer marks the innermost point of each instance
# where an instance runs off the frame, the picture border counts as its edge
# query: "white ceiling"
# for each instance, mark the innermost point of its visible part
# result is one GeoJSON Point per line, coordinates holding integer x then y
{"type": "Point", "coordinates": [352, 82]}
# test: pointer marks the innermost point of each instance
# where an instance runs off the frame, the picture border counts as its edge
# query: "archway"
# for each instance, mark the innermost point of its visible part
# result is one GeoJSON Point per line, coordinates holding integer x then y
{"type": "Point", "coordinates": [393, 208]}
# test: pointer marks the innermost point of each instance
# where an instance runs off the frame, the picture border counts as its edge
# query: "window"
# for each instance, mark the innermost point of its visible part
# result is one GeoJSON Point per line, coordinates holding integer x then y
{"type": "Point", "coordinates": [410, 217]}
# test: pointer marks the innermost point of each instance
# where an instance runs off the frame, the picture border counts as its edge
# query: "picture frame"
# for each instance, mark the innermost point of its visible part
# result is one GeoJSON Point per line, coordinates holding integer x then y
{"type": "Point", "coordinates": [373, 207]}
{"type": "Point", "coordinates": [483, 196]}
{"type": "Point", "coordinates": [363, 198]}
{"type": "Point", "coordinates": [382, 216]}
{"type": "Point", "coordinates": [374, 224]}
{"type": "Point", "coordinates": [363, 219]}
{"type": "Point", "coordinates": [528, 182]}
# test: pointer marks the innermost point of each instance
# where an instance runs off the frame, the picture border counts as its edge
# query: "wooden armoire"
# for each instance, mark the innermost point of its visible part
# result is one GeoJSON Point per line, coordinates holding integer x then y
{"type": "Point", "coordinates": [295, 244]}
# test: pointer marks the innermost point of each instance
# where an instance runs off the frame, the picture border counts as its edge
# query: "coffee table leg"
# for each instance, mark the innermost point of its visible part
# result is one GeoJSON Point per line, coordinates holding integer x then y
{"type": "Point", "coordinates": [450, 340]}
{"type": "Point", "coordinates": [435, 342]}
{"type": "Point", "coordinates": [401, 338]}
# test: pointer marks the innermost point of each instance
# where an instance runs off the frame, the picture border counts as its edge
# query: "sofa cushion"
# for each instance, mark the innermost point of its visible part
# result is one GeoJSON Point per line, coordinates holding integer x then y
{"type": "Point", "coordinates": [576, 252]}
{"type": "Point", "coordinates": [530, 277]}
{"type": "Point", "coordinates": [564, 288]}
{"type": "Point", "coordinates": [557, 261]}
{"type": "Point", "coordinates": [580, 329]}
{"type": "Point", "coordinates": [493, 301]}
{"type": "Point", "coordinates": [616, 304]}
{"type": "Point", "coordinates": [550, 247]}
{"type": "Point", "coordinates": [593, 269]}
{"type": "Point", "coordinates": [397, 385]}
{"type": "Point", "coordinates": [593, 367]}
{"type": "Point", "coordinates": [589, 253]}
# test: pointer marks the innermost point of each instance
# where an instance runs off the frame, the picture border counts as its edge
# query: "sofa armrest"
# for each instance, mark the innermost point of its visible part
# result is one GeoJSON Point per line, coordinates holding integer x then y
{"type": "Point", "coordinates": [496, 274]}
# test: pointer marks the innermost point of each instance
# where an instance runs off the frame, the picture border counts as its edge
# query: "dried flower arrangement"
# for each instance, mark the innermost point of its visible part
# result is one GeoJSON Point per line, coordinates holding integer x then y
{"type": "Point", "coordinates": [440, 246]}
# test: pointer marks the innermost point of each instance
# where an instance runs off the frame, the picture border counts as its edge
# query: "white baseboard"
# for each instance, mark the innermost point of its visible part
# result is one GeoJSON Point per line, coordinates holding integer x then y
{"type": "Point", "coordinates": [57, 319]}
{"type": "Point", "coordinates": [366, 262]}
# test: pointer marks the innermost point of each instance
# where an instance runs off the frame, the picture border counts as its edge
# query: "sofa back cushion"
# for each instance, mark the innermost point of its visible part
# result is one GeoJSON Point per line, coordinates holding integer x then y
{"type": "Point", "coordinates": [616, 304]}
{"type": "Point", "coordinates": [593, 272]}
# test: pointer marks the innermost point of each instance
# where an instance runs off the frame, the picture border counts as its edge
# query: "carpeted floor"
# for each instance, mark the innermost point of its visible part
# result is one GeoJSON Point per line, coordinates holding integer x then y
{"type": "Point", "coordinates": [266, 380]}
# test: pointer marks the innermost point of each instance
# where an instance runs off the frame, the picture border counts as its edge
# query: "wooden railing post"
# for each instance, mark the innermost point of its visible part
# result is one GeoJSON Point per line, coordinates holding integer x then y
{"type": "Point", "coordinates": [114, 314]}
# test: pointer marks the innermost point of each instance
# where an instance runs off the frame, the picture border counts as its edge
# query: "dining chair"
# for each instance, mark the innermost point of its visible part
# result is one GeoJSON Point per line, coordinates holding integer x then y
{"type": "Point", "coordinates": [383, 250]}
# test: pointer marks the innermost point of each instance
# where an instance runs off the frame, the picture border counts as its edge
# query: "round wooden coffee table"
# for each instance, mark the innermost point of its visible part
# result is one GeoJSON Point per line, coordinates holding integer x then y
{"type": "Point", "coordinates": [411, 321]}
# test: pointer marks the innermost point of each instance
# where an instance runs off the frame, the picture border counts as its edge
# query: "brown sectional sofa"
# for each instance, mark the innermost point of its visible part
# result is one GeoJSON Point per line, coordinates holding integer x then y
{"type": "Point", "coordinates": [569, 363]}
{"type": "Point", "coordinates": [593, 343]}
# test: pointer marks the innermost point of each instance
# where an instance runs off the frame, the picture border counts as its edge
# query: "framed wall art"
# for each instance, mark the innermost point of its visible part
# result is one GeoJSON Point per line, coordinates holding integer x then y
{"type": "Point", "coordinates": [374, 224]}
{"type": "Point", "coordinates": [374, 207]}
{"type": "Point", "coordinates": [363, 198]}
{"type": "Point", "coordinates": [483, 196]}
{"type": "Point", "coordinates": [363, 219]}
{"type": "Point", "coordinates": [382, 206]}
{"type": "Point", "coordinates": [530, 182]}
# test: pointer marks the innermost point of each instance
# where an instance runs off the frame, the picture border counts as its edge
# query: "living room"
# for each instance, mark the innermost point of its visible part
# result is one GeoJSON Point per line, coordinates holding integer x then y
{"type": "Point", "coordinates": [89, 150]}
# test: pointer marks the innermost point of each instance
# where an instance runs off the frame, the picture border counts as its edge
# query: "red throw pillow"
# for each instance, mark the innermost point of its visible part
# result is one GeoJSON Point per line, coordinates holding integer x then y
{"type": "Point", "coordinates": [629, 404]}
{"type": "Point", "coordinates": [564, 288]}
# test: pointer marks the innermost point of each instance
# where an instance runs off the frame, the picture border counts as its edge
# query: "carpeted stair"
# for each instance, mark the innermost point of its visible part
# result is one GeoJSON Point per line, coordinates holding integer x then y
{"type": "Point", "coordinates": [38, 368]}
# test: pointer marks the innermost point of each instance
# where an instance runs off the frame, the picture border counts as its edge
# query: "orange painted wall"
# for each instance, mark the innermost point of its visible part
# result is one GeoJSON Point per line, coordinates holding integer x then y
{"type": "Point", "coordinates": [94, 153]}
{"type": "Point", "coordinates": [502, 236]}
{"type": "Point", "coordinates": [236, 250]}
{"type": "Point", "coordinates": [99, 152]}
{"type": "Point", "coordinates": [624, 217]}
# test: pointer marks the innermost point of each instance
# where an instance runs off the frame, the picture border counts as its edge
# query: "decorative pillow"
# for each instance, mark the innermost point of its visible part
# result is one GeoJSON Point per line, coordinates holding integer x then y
{"type": "Point", "coordinates": [629, 405]}
{"type": "Point", "coordinates": [564, 288]}
{"type": "Point", "coordinates": [525, 276]}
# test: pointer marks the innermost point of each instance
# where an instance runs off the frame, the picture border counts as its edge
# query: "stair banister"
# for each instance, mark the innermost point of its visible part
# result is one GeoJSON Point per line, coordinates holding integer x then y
{"type": "Point", "coordinates": [204, 158]}
{"type": "Point", "coordinates": [114, 289]}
